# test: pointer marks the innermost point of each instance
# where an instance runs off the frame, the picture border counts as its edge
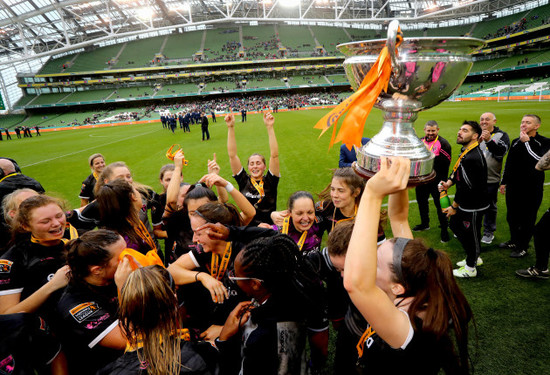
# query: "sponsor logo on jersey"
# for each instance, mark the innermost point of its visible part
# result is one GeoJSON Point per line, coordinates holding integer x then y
{"type": "Point", "coordinates": [7, 365]}
{"type": "Point", "coordinates": [5, 266]}
{"type": "Point", "coordinates": [83, 311]}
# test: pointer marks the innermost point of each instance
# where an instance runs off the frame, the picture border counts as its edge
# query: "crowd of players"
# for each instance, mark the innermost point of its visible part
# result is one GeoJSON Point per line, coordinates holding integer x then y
{"type": "Point", "coordinates": [241, 289]}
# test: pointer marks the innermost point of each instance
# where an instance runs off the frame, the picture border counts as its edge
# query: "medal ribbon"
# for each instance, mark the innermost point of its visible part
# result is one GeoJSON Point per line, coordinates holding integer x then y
{"type": "Point", "coordinates": [342, 220]}
{"type": "Point", "coordinates": [473, 145]}
{"type": "Point", "coordinates": [11, 174]}
{"type": "Point", "coordinates": [95, 175]}
{"type": "Point", "coordinates": [73, 233]}
{"type": "Point", "coordinates": [217, 271]}
{"type": "Point", "coordinates": [359, 104]}
{"type": "Point", "coordinates": [284, 230]}
{"type": "Point", "coordinates": [259, 187]}
{"type": "Point", "coordinates": [432, 146]}
{"type": "Point", "coordinates": [143, 233]}
{"type": "Point", "coordinates": [361, 344]}
{"type": "Point", "coordinates": [170, 155]}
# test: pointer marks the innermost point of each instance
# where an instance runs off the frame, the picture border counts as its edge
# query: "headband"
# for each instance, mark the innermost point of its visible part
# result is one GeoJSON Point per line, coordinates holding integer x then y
{"type": "Point", "coordinates": [398, 248]}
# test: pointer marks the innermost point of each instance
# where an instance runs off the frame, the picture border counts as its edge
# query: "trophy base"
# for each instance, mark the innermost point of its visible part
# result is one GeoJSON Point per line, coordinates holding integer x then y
{"type": "Point", "coordinates": [413, 180]}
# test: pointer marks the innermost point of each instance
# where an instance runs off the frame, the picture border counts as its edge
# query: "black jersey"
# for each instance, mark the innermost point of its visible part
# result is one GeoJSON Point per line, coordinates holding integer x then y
{"type": "Point", "coordinates": [422, 355]}
{"type": "Point", "coordinates": [86, 315]}
{"type": "Point", "coordinates": [26, 345]}
{"type": "Point", "coordinates": [268, 203]}
{"type": "Point", "coordinates": [27, 266]}
{"type": "Point", "coordinates": [87, 189]}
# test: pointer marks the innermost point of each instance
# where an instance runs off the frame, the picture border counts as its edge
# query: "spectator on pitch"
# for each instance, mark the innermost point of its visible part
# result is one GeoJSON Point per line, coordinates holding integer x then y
{"type": "Point", "coordinates": [347, 157]}
{"type": "Point", "coordinates": [541, 237]}
{"type": "Point", "coordinates": [213, 113]}
{"type": "Point", "coordinates": [495, 144]}
{"type": "Point", "coordinates": [8, 136]}
{"type": "Point", "coordinates": [470, 176]}
{"type": "Point", "coordinates": [18, 132]}
{"type": "Point", "coordinates": [441, 149]}
{"type": "Point", "coordinates": [523, 184]}
{"type": "Point", "coordinates": [243, 115]}
{"type": "Point", "coordinates": [37, 131]}
{"type": "Point", "coordinates": [204, 127]}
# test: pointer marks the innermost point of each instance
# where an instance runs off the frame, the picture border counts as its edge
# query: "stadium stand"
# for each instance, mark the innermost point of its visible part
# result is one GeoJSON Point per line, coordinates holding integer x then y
{"type": "Point", "coordinates": [10, 121]}
{"type": "Point", "coordinates": [180, 88]}
{"type": "Point", "coordinates": [88, 95]}
{"type": "Point", "coordinates": [140, 53]}
{"type": "Point", "coordinates": [329, 38]}
{"type": "Point", "coordinates": [182, 46]}
{"type": "Point", "coordinates": [259, 42]}
{"type": "Point", "coordinates": [222, 44]}
{"type": "Point", "coordinates": [95, 60]}
{"type": "Point", "coordinates": [297, 39]}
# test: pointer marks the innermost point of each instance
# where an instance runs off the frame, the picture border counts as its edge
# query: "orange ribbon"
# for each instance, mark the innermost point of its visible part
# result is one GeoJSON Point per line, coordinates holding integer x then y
{"type": "Point", "coordinates": [170, 154]}
{"type": "Point", "coordinates": [151, 258]}
{"type": "Point", "coordinates": [359, 104]}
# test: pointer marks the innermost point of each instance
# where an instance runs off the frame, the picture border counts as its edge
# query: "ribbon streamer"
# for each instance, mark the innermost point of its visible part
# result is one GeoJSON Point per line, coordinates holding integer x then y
{"type": "Point", "coordinates": [359, 104]}
{"type": "Point", "coordinates": [170, 154]}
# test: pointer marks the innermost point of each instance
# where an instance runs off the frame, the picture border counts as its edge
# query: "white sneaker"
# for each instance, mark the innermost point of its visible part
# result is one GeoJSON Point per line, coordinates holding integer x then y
{"type": "Point", "coordinates": [462, 263]}
{"type": "Point", "coordinates": [464, 273]}
{"type": "Point", "coordinates": [488, 238]}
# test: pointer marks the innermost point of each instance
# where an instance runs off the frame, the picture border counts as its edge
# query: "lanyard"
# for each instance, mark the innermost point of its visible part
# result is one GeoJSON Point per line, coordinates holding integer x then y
{"type": "Point", "coordinates": [73, 233]}
{"type": "Point", "coordinates": [286, 225]}
{"type": "Point", "coordinates": [476, 143]}
{"type": "Point", "coordinates": [11, 174]}
{"type": "Point", "coordinates": [143, 233]}
{"type": "Point", "coordinates": [259, 187]}
{"type": "Point", "coordinates": [217, 271]}
{"type": "Point", "coordinates": [432, 146]}
{"type": "Point", "coordinates": [342, 220]}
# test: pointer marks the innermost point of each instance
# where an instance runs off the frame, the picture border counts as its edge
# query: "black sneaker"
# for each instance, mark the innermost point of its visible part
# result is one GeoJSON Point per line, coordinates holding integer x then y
{"type": "Point", "coordinates": [420, 227]}
{"type": "Point", "coordinates": [507, 245]}
{"type": "Point", "coordinates": [532, 273]}
{"type": "Point", "coordinates": [445, 236]}
{"type": "Point", "coordinates": [518, 254]}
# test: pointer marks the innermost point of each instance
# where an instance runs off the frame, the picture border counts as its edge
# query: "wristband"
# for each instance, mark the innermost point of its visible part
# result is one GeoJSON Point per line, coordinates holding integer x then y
{"type": "Point", "coordinates": [229, 187]}
{"type": "Point", "coordinates": [196, 276]}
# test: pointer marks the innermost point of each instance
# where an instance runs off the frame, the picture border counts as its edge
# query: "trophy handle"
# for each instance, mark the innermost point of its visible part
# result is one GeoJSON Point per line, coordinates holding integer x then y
{"type": "Point", "coordinates": [391, 43]}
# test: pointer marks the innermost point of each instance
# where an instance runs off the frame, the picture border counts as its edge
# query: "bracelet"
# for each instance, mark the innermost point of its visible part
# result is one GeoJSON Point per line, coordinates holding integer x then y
{"type": "Point", "coordinates": [229, 187]}
{"type": "Point", "coordinates": [196, 276]}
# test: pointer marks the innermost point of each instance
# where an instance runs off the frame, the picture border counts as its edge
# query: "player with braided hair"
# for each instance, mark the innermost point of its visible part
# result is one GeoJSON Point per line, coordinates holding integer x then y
{"type": "Point", "coordinates": [269, 331]}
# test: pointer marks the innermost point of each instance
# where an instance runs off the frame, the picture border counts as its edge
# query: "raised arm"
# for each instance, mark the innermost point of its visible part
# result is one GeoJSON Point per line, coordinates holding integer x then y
{"type": "Point", "coordinates": [360, 267]}
{"type": "Point", "coordinates": [269, 121]}
{"type": "Point", "coordinates": [234, 160]}
{"type": "Point", "coordinates": [214, 168]}
{"type": "Point", "coordinates": [173, 190]}
{"type": "Point", "coordinates": [247, 209]}
{"type": "Point", "coordinates": [398, 213]}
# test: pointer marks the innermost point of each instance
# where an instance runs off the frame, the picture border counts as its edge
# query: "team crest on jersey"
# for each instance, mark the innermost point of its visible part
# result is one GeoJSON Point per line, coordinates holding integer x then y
{"type": "Point", "coordinates": [83, 311]}
{"type": "Point", "coordinates": [466, 224]}
{"type": "Point", "coordinates": [7, 365]}
{"type": "Point", "coordinates": [5, 266]}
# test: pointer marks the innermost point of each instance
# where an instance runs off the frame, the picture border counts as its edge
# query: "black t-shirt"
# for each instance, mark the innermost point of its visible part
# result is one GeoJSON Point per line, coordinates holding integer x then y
{"type": "Point", "coordinates": [422, 355]}
{"type": "Point", "coordinates": [86, 315]}
{"type": "Point", "coordinates": [27, 266]}
{"type": "Point", "coordinates": [26, 345]}
{"type": "Point", "coordinates": [268, 204]}
{"type": "Point", "coordinates": [210, 312]}
{"type": "Point", "coordinates": [328, 215]}
{"type": "Point", "coordinates": [87, 189]}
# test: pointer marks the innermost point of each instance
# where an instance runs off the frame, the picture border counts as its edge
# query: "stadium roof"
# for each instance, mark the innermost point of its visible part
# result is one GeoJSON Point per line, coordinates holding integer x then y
{"type": "Point", "coordinates": [40, 28]}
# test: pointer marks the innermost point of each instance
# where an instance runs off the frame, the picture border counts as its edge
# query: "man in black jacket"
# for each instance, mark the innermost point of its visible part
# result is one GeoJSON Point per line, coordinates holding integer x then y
{"type": "Point", "coordinates": [470, 176]}
{"type": "Point", "coordinates": [204, 127]}
{"type": "Point", "coordinates": [523, 184]}
{"type": "Point", "coordinates": [495, 144]}
{"type": "Point", "coordinates": [441, 148]}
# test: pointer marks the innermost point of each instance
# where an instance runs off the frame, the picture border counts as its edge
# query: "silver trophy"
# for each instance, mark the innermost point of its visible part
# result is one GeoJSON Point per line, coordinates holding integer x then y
{"type": "Point", "coordinates": [425, 72]}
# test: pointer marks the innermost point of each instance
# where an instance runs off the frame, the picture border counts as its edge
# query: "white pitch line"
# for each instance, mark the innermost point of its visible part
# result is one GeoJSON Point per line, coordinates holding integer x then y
{"type": "Point", "coordinates": [87, 149]}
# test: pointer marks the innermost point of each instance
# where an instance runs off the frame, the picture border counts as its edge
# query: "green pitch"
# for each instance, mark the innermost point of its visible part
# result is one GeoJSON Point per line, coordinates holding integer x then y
{"type": "Point", "coordinates": [511, 313]}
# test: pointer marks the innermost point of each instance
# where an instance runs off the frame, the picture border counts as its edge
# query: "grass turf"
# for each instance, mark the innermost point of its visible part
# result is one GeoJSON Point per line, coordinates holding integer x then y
{"type": "Point", "coordinates": [511, 313]}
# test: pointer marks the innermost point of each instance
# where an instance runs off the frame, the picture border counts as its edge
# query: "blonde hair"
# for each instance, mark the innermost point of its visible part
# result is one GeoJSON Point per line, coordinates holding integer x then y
{"type": "Point", "coordinates": [149, 316]}
{"type": "Point", "coordinates": [9, 204]}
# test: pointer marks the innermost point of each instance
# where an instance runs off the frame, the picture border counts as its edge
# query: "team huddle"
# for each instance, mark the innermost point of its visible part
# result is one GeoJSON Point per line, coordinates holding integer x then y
{"type": "Point", "coordinates": [243, 288]}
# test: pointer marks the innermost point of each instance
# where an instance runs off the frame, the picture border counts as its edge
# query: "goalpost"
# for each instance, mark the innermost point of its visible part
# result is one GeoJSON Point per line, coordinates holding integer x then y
{"type": "Point", "coordinates": [504, 92]}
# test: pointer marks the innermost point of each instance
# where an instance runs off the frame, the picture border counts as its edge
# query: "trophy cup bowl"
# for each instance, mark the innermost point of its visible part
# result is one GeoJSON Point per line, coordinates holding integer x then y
{"type": "Point", "coordinates": [425, 72]}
